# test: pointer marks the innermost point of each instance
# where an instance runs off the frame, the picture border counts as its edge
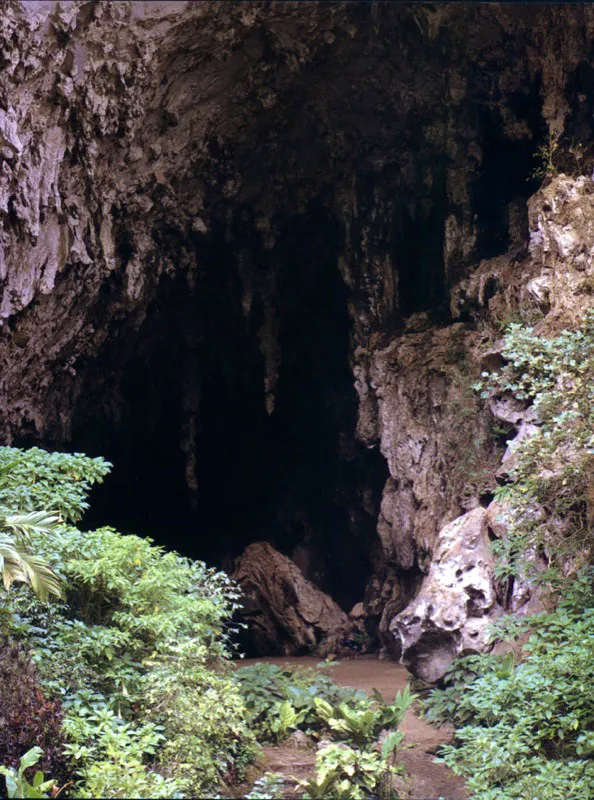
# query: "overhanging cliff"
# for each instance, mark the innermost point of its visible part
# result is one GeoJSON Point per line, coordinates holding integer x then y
{"type": "Point", "coordinates": [233, 240]}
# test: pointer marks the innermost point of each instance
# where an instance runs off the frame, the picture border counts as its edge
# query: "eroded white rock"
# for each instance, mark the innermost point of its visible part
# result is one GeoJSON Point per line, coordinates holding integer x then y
{"type": "Point", "coordinates": [455, 604]}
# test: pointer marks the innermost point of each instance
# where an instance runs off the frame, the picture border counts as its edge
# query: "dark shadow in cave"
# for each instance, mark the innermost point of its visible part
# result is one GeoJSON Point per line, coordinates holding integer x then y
{"type": "Point", "coordinates": [507, 172]}
{"type": "Point", "coordinates": [420, 252]}
{"type": "Point", "coordinates": [292, 478]}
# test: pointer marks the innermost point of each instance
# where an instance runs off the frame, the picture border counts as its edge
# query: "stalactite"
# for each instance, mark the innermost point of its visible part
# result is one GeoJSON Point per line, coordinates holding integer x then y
{"type": "Point", "coordinates": [268, 335]}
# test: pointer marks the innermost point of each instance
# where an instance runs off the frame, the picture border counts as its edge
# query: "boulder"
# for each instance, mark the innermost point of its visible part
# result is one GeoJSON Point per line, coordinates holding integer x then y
{"type": "Point", "coordinates": [455, 603]}
{"type": "Point", "coordinates": [286, 613]}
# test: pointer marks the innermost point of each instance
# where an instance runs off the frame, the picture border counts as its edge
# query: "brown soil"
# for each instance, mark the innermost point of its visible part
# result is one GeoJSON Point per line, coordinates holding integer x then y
{"type": "Point", "coordinates": [425, 779]}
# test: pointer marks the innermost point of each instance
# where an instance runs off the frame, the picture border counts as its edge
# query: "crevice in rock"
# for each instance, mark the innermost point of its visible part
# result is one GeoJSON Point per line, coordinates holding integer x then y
{"type": "Point", "coordinates": [506, 180]}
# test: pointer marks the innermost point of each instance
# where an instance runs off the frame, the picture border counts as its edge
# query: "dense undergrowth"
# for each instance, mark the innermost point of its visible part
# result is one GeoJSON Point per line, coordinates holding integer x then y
{"type": "Point", "coordinates": [131, 666]}
{"type": "Point", "coordinates": [525, 721]}
{"type": "Point", "coordinates": [115, 672]}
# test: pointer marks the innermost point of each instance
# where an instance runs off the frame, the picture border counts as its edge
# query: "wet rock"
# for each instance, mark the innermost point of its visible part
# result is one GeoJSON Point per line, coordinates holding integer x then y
{"type": "Point", "coordinates": [455, 603]}
{"type": "Point", "coordinates": [286, 613]}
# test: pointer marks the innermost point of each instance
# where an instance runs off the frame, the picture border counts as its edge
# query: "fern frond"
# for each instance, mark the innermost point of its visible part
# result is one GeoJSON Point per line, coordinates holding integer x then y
{"type": "Point", "coordinates": [17, 564]}
{"type": "Point", "coordinates": [26, 525]}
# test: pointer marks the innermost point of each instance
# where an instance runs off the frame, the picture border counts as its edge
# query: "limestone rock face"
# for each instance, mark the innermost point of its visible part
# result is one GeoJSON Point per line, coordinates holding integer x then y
{"type": "Point", "coordinates": [456, 601]}
{"type": "Point", "coordinates": [435, 441]}
{"type": "Point", "coordinates": [132, 133]}
{"type": "Point", "coordinates": [562, 249]}
{"type": "Point", "coordinates": [287, 614]}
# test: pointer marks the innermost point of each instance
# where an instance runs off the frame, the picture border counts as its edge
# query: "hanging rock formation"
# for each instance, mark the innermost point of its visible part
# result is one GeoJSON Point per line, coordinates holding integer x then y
{"type": "Point", "coordinates": [214, 217]}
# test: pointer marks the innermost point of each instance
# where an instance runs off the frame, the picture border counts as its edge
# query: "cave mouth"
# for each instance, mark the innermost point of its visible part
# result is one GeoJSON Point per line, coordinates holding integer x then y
{"type": "Point", "coordinates": [200, 465]}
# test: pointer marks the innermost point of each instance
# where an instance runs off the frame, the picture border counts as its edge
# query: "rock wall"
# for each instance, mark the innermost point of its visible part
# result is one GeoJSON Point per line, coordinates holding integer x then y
{"type": "Point", "coordinates": [157, 157]}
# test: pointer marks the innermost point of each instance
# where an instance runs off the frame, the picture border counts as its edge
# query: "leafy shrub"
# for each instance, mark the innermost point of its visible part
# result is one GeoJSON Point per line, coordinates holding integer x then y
{"type": "Point", "coordinates": [202, 716]}
{"type": "Point", "coordinates": [363, 725]}
{"type": "Point", "coordinates": [551, 491]}
{"type": "Point", "coordinates": [138, 652]}
{"type": "Point", "coordinates": [17, 784]}
{"type": "Point", "coordinates": [38, 490]}
{"type": "Point", "coordinates": [344, 772]}
{"type": "Point", "coordinates": [113, 754]}
{"type": "Point", "coordinates": [444, 706]}
{"type": "Point", "coordinates": [27, 717]}
{"type": "Point", "coordinates": [31, 480]}
{"type": "Point", "coordinates": [268, 787]}
{"type": "Point", "coordinates": [527, 731]}
{"type": "Point", "coordinates": [266, 687]}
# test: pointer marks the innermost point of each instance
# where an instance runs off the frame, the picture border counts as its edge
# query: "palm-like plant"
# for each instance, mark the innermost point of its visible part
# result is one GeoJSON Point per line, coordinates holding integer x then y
{"type": "Point", "coordinates": [17, 562]}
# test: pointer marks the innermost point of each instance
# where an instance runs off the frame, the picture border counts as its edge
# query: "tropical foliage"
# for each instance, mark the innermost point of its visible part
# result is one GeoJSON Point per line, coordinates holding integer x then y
{"type": "Point", "coordinates": [281, 699]}
{"type": "Point", "coordinates": [525, 730]}
{"type": "Point", "coordinates": [136, 654]}
{"type": "Point", "coordinates": [525, 721]}
{"type": "Point", "coordinates": [17, 562]}
{"type": "Point", "coordinates": [550, 493]}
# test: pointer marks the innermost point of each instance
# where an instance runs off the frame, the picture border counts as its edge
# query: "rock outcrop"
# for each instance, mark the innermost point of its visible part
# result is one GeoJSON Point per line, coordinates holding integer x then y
{"type": "Point", "coordinates": [286, 613]}
{"type": "Point", "coordinates": [457, 600]}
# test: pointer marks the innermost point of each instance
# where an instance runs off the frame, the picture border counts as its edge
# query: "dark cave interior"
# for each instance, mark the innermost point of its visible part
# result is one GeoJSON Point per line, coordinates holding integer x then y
{"type": "Point", "coordinates": [293, 477]}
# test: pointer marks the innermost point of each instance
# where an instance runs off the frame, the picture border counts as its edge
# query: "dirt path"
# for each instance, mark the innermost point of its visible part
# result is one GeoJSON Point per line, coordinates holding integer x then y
{"type": "Point", "coordinates": [426, 780]}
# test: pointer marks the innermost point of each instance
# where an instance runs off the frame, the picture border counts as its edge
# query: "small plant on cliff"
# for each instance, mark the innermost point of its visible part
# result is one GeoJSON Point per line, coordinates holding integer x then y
{"type": "Point", "coordinates": [547, 157]}
{"type": "Point", "coordinates": [550, 495]}
{"type": "Point", "coordinates": [560, 153]}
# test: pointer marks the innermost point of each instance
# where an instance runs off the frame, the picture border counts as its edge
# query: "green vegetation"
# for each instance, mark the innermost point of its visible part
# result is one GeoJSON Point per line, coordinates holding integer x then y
{"type": "Point", "coordinates": [17, 562]}
{"type": "Point", "coordinates": [527, 730]}
{"type": "Point", "coordinates": [115, 671]}
{"type": "Point", "coordinates": [525, 725]}
{"type": "Point", "coordinates": [281, 699]}
{"type": "Point", "coordinates": [550, 496]}
{"type": "Point", "coordinates": [137, 653]}
{"type": "Point", "coordinates": [346, 772]}
{"type": "Point", "coordinates": [363, 723]}
{"type": "Point", "coordinates": [17, 784]}
{"type": "Point", "coordinates": [268, 787]}
{"type": "Point", "coordinates": [560, 154]}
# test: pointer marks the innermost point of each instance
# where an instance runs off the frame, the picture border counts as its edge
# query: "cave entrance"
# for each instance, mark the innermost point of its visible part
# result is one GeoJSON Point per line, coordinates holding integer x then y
{"type": "Point", "coordinates": [200, 465]}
